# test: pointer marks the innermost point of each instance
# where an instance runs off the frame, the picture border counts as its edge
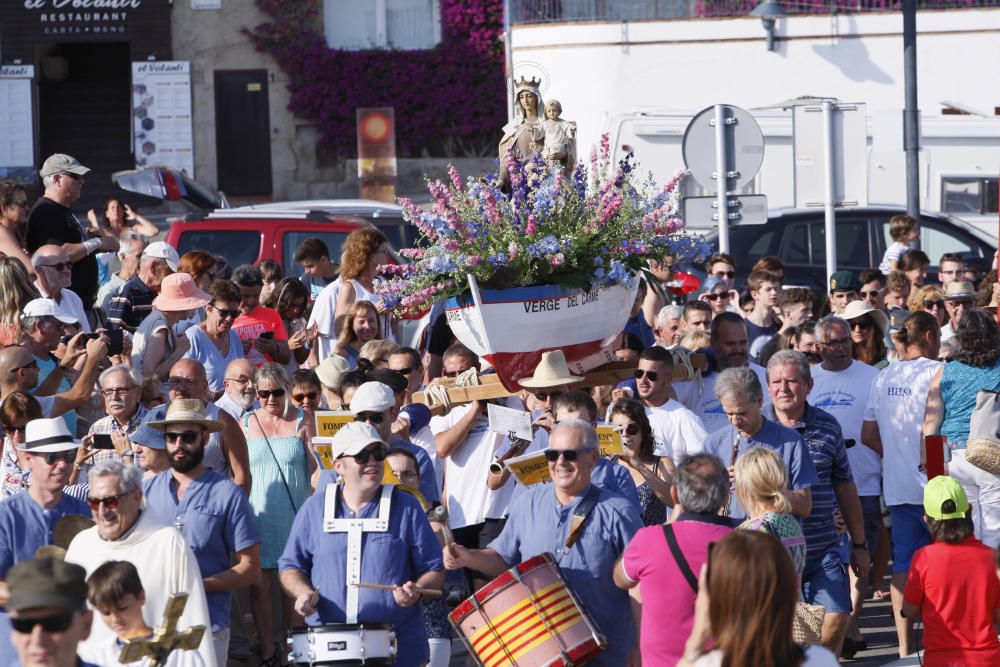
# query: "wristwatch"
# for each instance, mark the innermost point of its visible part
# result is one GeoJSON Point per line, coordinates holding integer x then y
{"type": "Point", "coordinates": [861, 545]}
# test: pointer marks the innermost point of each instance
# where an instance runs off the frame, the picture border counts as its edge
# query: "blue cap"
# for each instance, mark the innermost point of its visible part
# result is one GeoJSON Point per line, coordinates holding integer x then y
{"type": "Point", "coordinates": [147, 436]}
{"type": "Point", "coordinates": [711, 283]}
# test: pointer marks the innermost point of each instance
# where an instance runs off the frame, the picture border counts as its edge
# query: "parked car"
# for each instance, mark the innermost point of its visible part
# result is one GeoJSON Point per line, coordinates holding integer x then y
{"type": "Point", "coordinates": [386, 217]}
{"type": "Point", "coordinates": [798, 238]}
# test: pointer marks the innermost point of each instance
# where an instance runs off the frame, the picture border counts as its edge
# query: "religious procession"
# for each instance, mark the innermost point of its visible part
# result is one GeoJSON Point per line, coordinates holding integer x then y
{"type": "Point", "coordinates": [558, 428]}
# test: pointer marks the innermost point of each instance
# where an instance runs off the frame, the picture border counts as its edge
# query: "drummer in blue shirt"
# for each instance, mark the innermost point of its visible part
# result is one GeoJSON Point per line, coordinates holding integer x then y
{"type": "Point", "coordinates": [315, 569]}
{"type": "Point", "coordinates": [540, 522]}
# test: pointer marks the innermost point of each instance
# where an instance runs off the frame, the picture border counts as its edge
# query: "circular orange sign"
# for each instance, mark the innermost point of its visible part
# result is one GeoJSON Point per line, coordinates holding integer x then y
{"type": "Point", "coordinates": [375, 127]}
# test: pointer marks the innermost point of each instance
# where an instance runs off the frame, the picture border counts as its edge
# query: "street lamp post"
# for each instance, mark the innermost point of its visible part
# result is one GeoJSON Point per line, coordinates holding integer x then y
{"type": "Point", "coordinates": [769, 11]}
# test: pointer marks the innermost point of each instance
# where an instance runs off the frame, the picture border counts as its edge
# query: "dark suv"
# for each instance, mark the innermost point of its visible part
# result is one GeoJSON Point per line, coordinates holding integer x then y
{"type": "Point", "coordinates": [798, 238]}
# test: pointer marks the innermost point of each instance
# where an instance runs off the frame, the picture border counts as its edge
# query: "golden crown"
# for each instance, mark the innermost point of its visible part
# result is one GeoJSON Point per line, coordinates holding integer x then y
{"type": "Point", "coordinates": [529, 83]}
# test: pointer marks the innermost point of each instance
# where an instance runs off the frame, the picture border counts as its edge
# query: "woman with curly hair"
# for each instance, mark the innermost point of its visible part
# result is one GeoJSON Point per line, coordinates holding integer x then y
{"type": "Point", "coordinates": [975, 366]}
{"type": "Point", "coordinates": [930, 299]}
{"type": "Point", "coordinates": [650, 473]}
{"type": "Point", "coordinates": [364, 251]}
{"type": "Point", "coordinates": [18, 291]}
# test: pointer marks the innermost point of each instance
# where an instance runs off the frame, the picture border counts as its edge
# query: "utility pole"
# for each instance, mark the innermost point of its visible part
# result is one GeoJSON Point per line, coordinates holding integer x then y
{"type": "Point", "coordinates": [911, 114]}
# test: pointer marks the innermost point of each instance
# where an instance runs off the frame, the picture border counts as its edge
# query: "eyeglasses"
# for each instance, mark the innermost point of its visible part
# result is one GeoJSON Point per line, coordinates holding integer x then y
{"type": "Point", "coordinates": [869, 295]}
{"type": "Point", "coordinates": [225, 313]}
{"type": "Point", "coordinates": [268, 393]}
{"type": "Point", "coordinates": [61, 266]}
{"type": "Point", "coordinates": [631, 428]}
{"type": "Point", "coordinates": [864, 325]}
{"type": "Point", "coordinates": [311, 395]}
{"type": "Point", "coordinates": [568, 455]}
{"type": "Point", "coordinates": [240, 381]}
{"type": "Point", "coordinates": [451, 374]}
{"type": "Point", "coordinates": [837, 342]}
{"type": "Point", "coordinates": [724, 274]}
{"type": "Point", "coordinates": [52, 458]}
{"type": "Point", "coordinates": [378, 454]}
{"type": "Point", "coordinates": [179, 381]}
{"type": "Point", "coordinates": [405, 371]}
{"type": "Point", "coordinates": [117, 391]}
{"type": "Point", "coordinates": [15, 429]}
{"type": "Point", "coordinates": [640, 373]}
{"type": "Point", "coordinates": [53, 623]}
{"type": "Point", "coordinates": [714, 296]}
{"type": "Point", "coordinates": [546, 395]}
{"type": "Point", "coordinates": [373, 417]}
{"type": "Point", "coordinates": [930, 304]}
{"type": "Point", "coordinates": [33, 364]}
{"type": "Point", "coordinates": [111, 503]}
{"type": "Point", "coordinates": [187, 437]}
{"type": "Point", "coordinates": [75, 177]}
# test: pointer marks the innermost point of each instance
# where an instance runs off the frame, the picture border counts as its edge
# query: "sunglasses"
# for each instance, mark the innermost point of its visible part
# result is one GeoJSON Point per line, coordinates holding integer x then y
{"type": "Point", "coordinates": [373, 417]}
{"type": "Point", "coordinates": [546, 395]}
{"type": "Point", "coordinates": [268, 393]}
{"type": "Point", "coordinates": [928, 304]}
{"type": "Point", "coordinates": [61, 266]}
{"type": "Point", "coordinates": [15, 429]}
{"type": "Point", "coordinates": [569, 455]}
{"type": "Point", "coordinates": [864, 325]}
{"type": "Point", "coordinates": [712, 296]}
{"type": "Point", "coordinates": [312, 395]}
{"type": "Point", "coordinates": [869, 295]}
{"type": "Point", "coordinates": [639, 374]}
{"type": "Point", "coordinates": [111, 503]}
{"type": "Point", "coordinates": [75, 177]}
{"type": "Point", "coordinates": [725, 274]}
{"type": "Point", "coordinates": [32, 365]}
{"type": "Point", "coordinates": [226, 314]}
{"type": "Point", "coordinates": [187, 437]}
{"type": "Point", "coordinates": [53, 458]}
{"type": "Point", "coordinates": [405, 371]}
{"type": "Point", "coordinates": [377, 454]}
{"type": "Point", "coordinates": [54, 623]}
{"type": "Point", "coordinates": [630, 429]}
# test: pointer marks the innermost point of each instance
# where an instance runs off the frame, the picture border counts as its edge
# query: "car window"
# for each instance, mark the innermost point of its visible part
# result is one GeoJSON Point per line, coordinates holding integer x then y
{"type": "Point", "coordinates": [852, 243]}
{"type": "Point", "coordinates": [754, 242]}
{"type": "Point", "coordinates": [334, 243]}
{"type": "Point", "coordinates": [237, 246]}
{"type": "Point", "coordinates": [798, 245]}
{"type": "Point", "coordinates": [936, 240]}
{"type": "Point", "coordinates": [968, 195]}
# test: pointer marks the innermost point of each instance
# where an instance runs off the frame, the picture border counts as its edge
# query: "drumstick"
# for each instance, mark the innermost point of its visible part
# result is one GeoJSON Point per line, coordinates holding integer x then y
{"type": "Point", "coordinates": [388, 587]}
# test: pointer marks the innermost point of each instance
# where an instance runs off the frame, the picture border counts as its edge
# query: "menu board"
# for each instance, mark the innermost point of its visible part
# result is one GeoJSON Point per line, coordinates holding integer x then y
{"type": "Point", "coordinates": [17, 137]}
{"type": "Point", "coordinates": [161, 114]}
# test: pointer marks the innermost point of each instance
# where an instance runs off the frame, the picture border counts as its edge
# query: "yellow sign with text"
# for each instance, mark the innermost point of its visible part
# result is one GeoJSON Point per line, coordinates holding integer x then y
{"type": "Point", "coordinates": [324, 452]}
{"type": "Point", "coordinates": [328, 422]}
{"type": "Point", "coordinates": [610, 441]}
{"type": "Point", "coordinates": [529, 469]}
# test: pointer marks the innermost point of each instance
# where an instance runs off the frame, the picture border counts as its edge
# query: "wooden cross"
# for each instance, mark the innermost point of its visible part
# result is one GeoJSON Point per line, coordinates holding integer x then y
{"type": "Point", "coordinates": [166, 639]}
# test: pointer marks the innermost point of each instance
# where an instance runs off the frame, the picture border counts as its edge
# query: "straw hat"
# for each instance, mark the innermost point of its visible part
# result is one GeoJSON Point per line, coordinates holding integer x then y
{"type": "Point", "coordinates": [551, 371]}
{"type": "Point", "coordinates": [856, 309]}
{"type": "Point", "coordinates": [960, 289]}
{"type": "Point", "coordinates": [332, 370]}
{"type": "Point", "coordinates": [178, 292]}
{"type": "Point", "coordinates": [187, 411]}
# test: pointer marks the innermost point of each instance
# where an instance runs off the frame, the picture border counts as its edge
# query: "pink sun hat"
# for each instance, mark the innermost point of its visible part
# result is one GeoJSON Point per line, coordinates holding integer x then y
{"type": "Point", "coordinates": [178, 292]}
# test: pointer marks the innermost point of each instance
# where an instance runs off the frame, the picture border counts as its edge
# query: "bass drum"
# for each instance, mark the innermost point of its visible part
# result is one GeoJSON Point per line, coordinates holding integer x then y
{"type": "Point", "coordinates": [343, 644]}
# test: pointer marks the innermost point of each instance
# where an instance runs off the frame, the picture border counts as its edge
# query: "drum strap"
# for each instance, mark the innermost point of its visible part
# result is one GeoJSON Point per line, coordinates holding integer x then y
{"type": "Point", "coordinates": [580, 515]}
{"type": "Point", "coordinates": [354, 529]}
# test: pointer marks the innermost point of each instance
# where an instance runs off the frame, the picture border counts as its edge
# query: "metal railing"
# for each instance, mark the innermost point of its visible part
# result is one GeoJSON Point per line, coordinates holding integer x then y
{"type": "Point", "coordinates": [551, 11]}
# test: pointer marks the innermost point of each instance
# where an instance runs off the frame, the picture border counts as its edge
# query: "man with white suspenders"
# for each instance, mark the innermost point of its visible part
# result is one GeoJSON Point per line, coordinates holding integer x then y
{"type": "Point", "coordinates": [363, 532]}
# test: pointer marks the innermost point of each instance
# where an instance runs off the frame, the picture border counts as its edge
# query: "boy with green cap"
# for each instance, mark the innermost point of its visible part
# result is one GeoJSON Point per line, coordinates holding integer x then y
{"type": "Point", "coordinates": [953, 584]}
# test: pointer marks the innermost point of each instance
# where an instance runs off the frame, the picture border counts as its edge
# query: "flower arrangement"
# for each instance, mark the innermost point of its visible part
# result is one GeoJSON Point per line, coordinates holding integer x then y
{"type": "Point", "coordinates": [595, 228]}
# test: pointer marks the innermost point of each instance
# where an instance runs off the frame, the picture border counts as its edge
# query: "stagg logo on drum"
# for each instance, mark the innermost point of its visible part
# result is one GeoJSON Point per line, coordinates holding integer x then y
{"type": "Point", "coordinates": [336, 646]}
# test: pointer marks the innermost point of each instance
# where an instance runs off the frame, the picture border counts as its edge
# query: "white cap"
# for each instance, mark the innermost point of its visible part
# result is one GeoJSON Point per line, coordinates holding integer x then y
{"type": "Point", "coordinates": [164, 251]}
{"type": "Point", "coordinates": [47, 308]}
{"type": "Point", "coordinates": [352, 439]}
{"type": "Point", "coordinates": [372, 397]}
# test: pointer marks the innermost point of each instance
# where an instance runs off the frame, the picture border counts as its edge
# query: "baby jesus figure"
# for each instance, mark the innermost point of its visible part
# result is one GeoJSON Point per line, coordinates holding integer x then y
{"type": "Point", "coordinates": [560, 137]}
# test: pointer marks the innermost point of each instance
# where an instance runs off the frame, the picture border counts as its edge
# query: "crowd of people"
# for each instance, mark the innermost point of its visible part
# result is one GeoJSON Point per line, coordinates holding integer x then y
{"type": "Point", "coordinates": [160, 437]}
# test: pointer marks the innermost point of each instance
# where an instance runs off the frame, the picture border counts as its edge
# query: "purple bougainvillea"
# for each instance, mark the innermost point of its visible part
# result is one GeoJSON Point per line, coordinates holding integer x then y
{"type": "Point", "coordinates": [449, 100]}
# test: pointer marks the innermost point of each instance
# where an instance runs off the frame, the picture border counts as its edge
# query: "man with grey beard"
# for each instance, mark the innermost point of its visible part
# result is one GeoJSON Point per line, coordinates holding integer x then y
{"type": "Point", "coordinates": [240, 396]}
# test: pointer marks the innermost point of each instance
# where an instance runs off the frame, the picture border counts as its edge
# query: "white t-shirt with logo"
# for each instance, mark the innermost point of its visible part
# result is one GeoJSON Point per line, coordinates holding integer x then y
{"type": "Point", "coordinates": [470, 501]}
{"type": "Point", "coordinates": [676, 430]}
{"type": "Point", "coordinates": [897, 402]}
{"type": "Point", "coordinates": [844, 394]}
{"type": "Point", "coordinates": [704, 404]}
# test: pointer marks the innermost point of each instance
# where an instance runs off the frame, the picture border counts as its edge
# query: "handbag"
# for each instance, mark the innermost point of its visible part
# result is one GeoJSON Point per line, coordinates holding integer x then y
{"type": "Point", "coordinates": [983, 445]}
{"type": "Point", "coordinates": [807, 623]}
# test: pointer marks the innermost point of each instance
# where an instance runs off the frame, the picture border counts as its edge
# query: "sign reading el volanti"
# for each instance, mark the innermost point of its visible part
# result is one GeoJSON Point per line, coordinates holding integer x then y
{"type": "Point", "coordinates": [62, 17]}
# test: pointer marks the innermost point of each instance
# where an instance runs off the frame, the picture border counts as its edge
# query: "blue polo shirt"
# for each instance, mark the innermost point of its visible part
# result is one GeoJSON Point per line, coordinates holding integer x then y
{"type": "Point", "coordinates": [825, 441]}
{"type": "Point", "coordinates": [407, 550]}
{"type": "Point", "coordinates": [784, 441]}
{"type": "Point", "coordinates": [216, 521]}
{"type": "Point", "coordinates": [539, 524]}
{"type": "Point", "coordinates": [25, 526]}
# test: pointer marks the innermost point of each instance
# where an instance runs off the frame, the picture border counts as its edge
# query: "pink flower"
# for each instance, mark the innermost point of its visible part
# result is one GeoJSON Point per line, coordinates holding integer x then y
{"type": "Point", "coordinates": [532, 225]}
{"type": "Point", "coordinates": [558, 259]}
{"type": "Point", "coordinates": [512, 250]}
{"type": "Point", "coordinates": [456, 179]}
{"type": "Point", "coordinates": [451, 245]}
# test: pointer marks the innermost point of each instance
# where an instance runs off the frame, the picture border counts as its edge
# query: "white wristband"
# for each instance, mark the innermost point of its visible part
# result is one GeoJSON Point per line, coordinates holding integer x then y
{"type": "Point", "coordinates": [92, 245]}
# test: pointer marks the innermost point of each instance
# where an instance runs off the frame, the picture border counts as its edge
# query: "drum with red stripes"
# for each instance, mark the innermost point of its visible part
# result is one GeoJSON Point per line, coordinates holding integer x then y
{"type": "Point", "coordinates": [528, 617]}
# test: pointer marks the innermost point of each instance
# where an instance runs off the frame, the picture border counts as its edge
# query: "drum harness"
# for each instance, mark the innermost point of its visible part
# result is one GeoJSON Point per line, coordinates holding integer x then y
{"type": "Point", "coordinates": [355, 528]}
{"type": "Point", "coordinates": [576, 524]}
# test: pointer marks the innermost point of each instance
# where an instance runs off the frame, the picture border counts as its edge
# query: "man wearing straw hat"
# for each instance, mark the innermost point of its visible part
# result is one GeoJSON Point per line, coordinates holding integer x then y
{"type": "Point", "coordinates": [28, 519]}
{"type": "Point", "coordinates": [212, 513]}
{"type": "Point", "coordinates": [399, 553]}
{"type": "Point", "coordinates": [959, 298]}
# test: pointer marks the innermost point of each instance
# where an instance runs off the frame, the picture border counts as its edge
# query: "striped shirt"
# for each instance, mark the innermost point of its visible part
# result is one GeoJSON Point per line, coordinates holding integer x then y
{"type": "Point", "coordinates": [825, 441]}
{"type": "Point", "coordinates": [131, 305]}
{"type": "Point", "coordinates": [108, 425]}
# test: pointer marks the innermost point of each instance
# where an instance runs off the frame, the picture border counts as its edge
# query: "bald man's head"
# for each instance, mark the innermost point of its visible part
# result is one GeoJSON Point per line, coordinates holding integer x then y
{"type": "Point", "coordinates": [239, 383]}
{"type": "Point", "coordinates": [18, 368]}
{"type": "Point", "coordinates": [188, 380]}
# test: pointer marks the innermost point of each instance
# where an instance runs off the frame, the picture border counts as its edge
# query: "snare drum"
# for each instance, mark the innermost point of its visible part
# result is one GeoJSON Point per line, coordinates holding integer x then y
{"type": "Point", "coordinates": [528, 617]}
{"type": "Point", "coordinates": [343, 644]}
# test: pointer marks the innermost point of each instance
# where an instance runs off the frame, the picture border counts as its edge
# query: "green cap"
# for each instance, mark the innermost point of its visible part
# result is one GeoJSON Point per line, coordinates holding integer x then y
{"type": "Point", "coordinates": [47, 582]}
{"type": "Point", "coordinates": [941, 490]}
{"type": "Point", "coordinates": [844, 281]}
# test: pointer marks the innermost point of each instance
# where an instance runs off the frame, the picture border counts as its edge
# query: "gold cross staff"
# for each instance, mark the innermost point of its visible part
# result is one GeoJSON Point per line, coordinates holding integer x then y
{"type": "Point", "coordinates": [166, 639]}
